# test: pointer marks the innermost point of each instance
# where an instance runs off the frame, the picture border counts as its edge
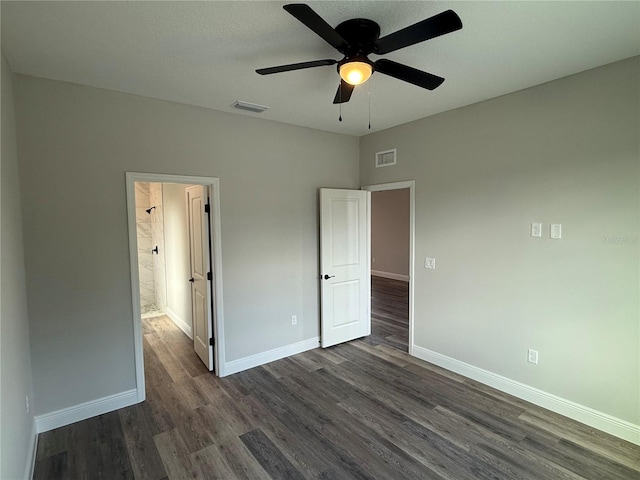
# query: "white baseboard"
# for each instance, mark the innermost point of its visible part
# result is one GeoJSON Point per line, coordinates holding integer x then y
{"type": "Point", "coordinates": [180, 323]}
{"type": "Point", "coordinates": [69, 415]}
{"type": "Point", "coordinates": [602, 421]}
{"type": "Point", "coordinates": [392, 276]}
{"type": "Point", "coordinates": [31, 454]}
{"type": "Point", "coordinates": [246, 363]}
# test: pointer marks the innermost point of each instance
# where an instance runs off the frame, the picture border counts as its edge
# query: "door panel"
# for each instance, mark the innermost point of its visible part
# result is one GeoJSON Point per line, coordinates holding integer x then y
{"type": "Point", "coordinates": [200, 286]}
{"type": "Point", "coordinates": [200, 312]}
{"type": "Point", "coordinates": [344, 258]}
{"type": "Point", "coordinates": [346, 303]}
{"type": "Point", "coordinates": [344, 232]}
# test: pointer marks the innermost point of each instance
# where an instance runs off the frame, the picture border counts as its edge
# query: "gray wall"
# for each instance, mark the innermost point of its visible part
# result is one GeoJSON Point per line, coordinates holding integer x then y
{"type": "Point", "coordinates": [77, 142]}
{"type": "Point", "coordinates": [390, 231]}
{"type": "Point", "coordinates": [563, 152]}
{"type": "Point", "coordinates": [176, 234]}
{"type": "Point", "coordinates": [15, 358]}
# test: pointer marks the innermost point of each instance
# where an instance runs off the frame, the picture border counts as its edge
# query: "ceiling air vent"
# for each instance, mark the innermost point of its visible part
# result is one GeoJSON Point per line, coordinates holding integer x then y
{"type": "Point", "coordinates": [249, 107]}
{"type": "Point", "coordinates": [386, 158]}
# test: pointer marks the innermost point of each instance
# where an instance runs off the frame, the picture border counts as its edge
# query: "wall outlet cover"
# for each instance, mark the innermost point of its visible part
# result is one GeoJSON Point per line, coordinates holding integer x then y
{"type": "Point", "coordinates": [536, 230]}
{"type": "Point", "coordinates": [532, 356]}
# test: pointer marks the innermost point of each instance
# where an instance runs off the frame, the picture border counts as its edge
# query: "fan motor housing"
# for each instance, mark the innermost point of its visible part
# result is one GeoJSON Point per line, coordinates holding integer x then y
{"type": "Point", "coordinates": [360, 34]}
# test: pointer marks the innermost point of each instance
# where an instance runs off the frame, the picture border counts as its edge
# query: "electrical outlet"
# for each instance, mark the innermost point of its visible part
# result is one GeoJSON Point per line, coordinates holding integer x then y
{"type": "Point", "coordinates": [26, 399]}
{"type": "Point", "coordinates": [430, 263]}
{"type": "Point", "coordinates": [532, 356]}
{"type": "Point", "coordinates": [294, 319]}
{"type": "Point", "coordinates": [555, 231]}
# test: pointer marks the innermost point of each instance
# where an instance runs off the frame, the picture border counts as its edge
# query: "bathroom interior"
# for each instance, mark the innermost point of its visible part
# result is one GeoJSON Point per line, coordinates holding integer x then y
{"type": "Point", "coordinates": [163, 252]}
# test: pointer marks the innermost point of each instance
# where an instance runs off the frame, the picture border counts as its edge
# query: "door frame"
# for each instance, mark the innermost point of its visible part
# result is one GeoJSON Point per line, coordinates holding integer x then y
{"type": "Point", "coordinates": [411, 185]}
{"type": "Point", "coordinates": [215, 236]}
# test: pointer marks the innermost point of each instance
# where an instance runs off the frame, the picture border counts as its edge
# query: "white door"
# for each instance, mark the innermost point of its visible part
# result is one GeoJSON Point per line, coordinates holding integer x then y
{"type": "Point", "coordinates": [200, 285]}
{"type": "Point", "coordinates": [344, 265]}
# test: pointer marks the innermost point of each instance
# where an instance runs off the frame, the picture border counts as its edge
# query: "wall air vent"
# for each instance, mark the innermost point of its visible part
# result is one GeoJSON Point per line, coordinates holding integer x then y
{"type": "Point", "coordinates": [249, 107]}
{"type": "Point", "coordinates": [386, 158]}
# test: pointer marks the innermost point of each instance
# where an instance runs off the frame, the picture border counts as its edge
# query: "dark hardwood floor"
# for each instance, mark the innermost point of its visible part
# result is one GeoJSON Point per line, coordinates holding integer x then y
{"type": "Point", "coordinates": [363, 410]}
{"type": "Point", "coordinates": [389, 313]}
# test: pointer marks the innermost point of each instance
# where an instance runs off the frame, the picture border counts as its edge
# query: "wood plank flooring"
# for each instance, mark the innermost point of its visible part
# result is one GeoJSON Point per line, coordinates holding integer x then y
{"type": "Point", "coordinates": [354, 411]}
{"type": "Point", "coordinates": [389, 313]}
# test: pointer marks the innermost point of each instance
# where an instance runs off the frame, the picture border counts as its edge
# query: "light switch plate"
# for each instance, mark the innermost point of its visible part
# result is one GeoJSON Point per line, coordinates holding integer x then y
{"type": "Point", "coordinates": [536, 230]}
{"type": "Point", "coordinates": [556, 230]}
{"type": "Point", "coordinates": [430, 263]}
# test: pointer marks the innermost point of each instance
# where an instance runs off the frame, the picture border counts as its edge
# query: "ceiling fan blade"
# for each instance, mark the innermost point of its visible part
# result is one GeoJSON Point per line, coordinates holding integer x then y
{"type": "Point", "coordinates": [315, 22]}
{"type": "Point", "coordinates": [408, 74]}
{"type": "Point", "coordinates": [445, 22]}
{"type": "Point", "coordinates": [296, 66]}
{"type": "Point", "coordinates": [343, 94]}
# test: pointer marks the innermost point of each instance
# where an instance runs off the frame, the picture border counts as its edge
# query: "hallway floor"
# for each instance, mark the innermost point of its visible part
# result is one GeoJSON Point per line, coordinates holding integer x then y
{"type": "Point", "coordinates": [389, 313]}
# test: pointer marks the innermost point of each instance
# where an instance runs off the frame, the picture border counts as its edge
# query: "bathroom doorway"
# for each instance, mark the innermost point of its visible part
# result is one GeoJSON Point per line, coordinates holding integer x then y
{"type": "Point", "coordinates": [161, 227]}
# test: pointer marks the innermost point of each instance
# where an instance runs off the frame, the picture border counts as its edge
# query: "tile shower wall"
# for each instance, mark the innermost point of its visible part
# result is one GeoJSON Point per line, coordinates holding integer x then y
{"type": "Point", "coordinates": [157, 239]}
{"type": "Point", "coordinates": [150, 233]}
{"type": "Point", "coordinates": [145, 259]}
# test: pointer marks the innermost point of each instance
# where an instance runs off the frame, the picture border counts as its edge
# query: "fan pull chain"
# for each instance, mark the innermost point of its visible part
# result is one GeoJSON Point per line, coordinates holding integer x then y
{"type": "Point", "coordinates": [340, 99]}
{"type": "Point", "coordinates": [369, 105]}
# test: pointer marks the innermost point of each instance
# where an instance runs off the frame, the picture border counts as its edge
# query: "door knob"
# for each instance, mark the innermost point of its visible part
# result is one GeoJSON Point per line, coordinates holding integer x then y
{"type": "Point", "coordinates": [192, 279]}
{"type": "Point", "coordinates": [327, 277]}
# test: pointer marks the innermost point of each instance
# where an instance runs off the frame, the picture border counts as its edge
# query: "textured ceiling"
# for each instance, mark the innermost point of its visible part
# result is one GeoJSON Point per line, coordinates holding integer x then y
{"type": "Point", "coordinates": [205, 53]}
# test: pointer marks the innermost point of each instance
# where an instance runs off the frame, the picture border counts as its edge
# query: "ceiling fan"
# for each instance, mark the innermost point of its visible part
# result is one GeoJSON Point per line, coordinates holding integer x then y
{"type": "Point", "coordinates": [357, 38]}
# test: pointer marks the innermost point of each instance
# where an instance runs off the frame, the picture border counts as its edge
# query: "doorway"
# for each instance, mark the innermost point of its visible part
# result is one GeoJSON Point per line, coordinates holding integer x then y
{"type": "Point", "coordinates": [165, 287]}
{"type": "Point", "coordinates": [392, 263]}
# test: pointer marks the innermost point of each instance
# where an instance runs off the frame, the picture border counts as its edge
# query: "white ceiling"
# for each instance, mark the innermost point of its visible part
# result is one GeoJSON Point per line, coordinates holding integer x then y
{"type": "Point", "coordinates": [205, 53]}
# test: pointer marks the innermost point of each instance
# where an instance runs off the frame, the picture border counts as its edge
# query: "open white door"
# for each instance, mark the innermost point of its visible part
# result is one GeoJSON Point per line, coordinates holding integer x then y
{"type": "Point", "coordinates": [344, 265]}
{"type": "Point", "coordinates": [200, 288]}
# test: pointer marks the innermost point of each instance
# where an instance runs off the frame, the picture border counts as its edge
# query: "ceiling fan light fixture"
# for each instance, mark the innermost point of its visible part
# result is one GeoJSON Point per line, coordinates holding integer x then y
{"type": "Point", "coordinates": [356, 72]}
{"type": "Point", "coordinates": [357, 38]}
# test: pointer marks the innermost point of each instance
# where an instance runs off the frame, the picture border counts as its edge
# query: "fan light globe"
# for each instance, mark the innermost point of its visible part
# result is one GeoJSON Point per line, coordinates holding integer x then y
{"type": "Point", "coordinates": [355, 73]}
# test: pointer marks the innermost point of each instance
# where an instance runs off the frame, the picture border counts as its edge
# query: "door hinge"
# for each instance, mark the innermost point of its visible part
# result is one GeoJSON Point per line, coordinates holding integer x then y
{"type": "Point", "coordinates": [209, 276]}
{"type": "Point", "coordinates": [207, 208]}
{"type": "Point", "coordinates": [212, 342]}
